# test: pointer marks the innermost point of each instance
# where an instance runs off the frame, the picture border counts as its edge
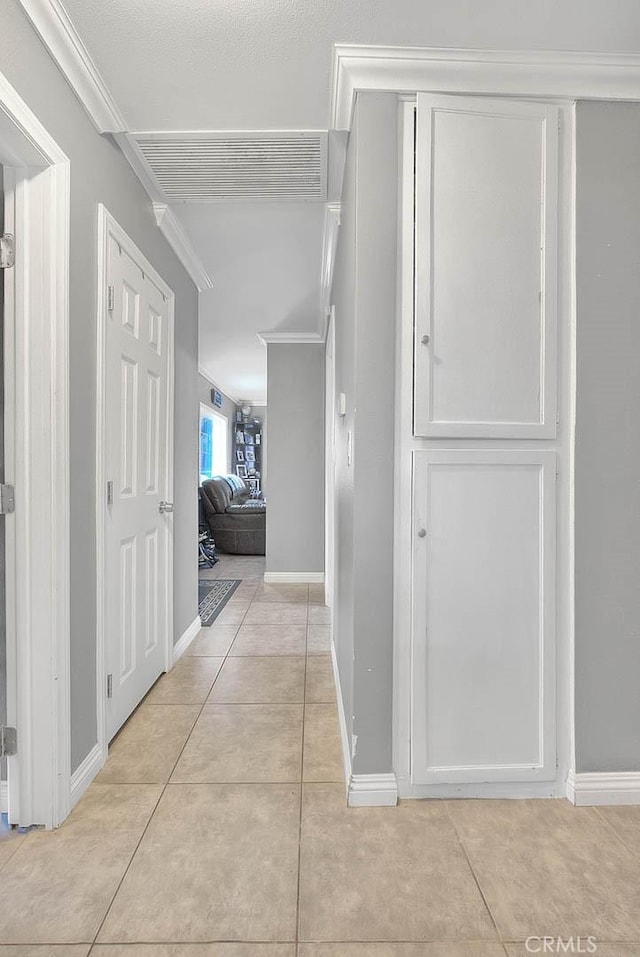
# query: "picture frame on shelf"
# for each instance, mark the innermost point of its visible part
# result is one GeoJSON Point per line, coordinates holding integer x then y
{"type": "Point", "coordinates": [241, 471]}
{"type": "Point", "coordinates": [239, 455]}
{"type": "Point", "coordinates": [249, 455]}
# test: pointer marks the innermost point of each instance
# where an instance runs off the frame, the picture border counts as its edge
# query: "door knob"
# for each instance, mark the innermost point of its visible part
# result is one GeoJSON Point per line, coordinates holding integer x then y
{"type": "Point", "coordinates": [422, 532]}
{"type": "Point", "coordinates": [165, 507]}
{"type": "Point", "coordinates": [425, 340]}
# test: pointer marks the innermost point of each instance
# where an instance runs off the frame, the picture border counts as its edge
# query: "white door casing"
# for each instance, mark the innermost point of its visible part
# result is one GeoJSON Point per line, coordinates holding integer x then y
{"type": "Point", "coordinates": [486, 268]}
{"type": "Point", "coordinates": [330, 462]}
{"type": "Point", "coordinates": [136, 469]}
{"type": "Point", "coordinates": [483, 695]}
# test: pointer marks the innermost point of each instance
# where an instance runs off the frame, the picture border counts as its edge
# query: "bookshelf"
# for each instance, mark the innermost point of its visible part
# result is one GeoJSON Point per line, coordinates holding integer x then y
{"type": "Point", "coordinates": [247, 451]}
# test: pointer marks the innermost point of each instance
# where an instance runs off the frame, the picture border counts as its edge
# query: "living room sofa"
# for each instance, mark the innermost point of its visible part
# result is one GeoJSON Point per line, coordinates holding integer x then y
{"type": "Point", "coordinates": [236, 521]}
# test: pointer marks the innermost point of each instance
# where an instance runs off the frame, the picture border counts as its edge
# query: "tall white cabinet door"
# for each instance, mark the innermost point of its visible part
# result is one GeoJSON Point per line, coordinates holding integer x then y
{"type": "Point", "coordinates": [486, 268]}
{"type": "Point", "coordinates": [483, 660]}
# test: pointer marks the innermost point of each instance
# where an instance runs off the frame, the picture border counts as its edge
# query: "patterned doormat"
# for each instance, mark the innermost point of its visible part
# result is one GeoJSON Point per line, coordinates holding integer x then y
{"type": "Point", "coordinates": [213, 595]}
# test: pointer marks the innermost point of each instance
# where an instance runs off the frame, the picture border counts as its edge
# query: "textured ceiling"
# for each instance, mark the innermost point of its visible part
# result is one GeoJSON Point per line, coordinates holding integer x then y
{"type": "Point", "coordinates": [265, 263]}
{"type": "Point", "coordinates": [265, 64]}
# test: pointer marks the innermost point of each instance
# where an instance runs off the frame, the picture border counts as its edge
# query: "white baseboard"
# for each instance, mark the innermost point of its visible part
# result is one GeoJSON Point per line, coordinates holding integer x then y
{"type": "Point", "coordinates": [86, 772]}
{"type": "Point", "coordinates": [4, 797]}
{"type": "Point", "coordinates": [185, 640]}
{"type": "Point", "coordinates": [344, 734]}
{"type": "Point", "coordinates": [363, 790]}
{"type": "Point", "coordinates": [373, 790]}
{"type": "Point", "coordinates": [293, 578]}
{"type": "Point", "coordinates": [602, 788]}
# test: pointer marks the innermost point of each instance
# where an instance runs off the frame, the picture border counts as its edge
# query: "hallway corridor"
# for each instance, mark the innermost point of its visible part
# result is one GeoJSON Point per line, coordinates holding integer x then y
{"type": "Point", "coordinates": [220, 818]}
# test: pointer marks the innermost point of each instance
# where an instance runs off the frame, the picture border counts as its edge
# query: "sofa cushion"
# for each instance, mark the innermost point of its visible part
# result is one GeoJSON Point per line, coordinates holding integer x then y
{"type": "Point", "coordinates": [241, 508]}
{"type": "Point", "coordinates": [219, 493]}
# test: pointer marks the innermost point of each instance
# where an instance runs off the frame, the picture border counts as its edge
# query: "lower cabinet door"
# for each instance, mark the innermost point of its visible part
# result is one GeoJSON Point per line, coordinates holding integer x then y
{"type": "Point", "coordinates": [483, 643]}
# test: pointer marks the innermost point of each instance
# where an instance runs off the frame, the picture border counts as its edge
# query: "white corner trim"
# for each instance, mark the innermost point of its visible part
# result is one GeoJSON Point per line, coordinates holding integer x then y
{"type": "Point", "coordinates": [290, 338]}
{"type": "Point", "coordinates": [603, 788]}
{"type": "Point", "coordinates": [186, 638]}
{"type": "Point", "coordinates": [342, 721]}
{"type": "Point", "coordinates": [329, 243]}
{"type": "Point", "coordinates": [61, 38]}
{"type": "Point", "coordinates": [373, 790]}
{"type": "Point", "coordinates": [86, 772]}
{"type": "Point", "coordinates": [292, 578]}
{"type": "Point", "coordinates": [4, 797]}
{"type": "Point", "coordinates": [175, 235]}
{"type": "Point", "coordinates": [495, 72]}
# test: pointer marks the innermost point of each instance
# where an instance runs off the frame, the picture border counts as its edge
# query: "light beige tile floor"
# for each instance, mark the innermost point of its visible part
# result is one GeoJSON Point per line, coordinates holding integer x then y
{"type": "Point", "coordinates": [249, 850]}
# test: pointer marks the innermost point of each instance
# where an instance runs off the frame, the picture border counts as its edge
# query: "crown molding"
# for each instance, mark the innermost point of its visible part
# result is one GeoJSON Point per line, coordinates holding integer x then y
{"type": "Point", "coordinates": [592, 76]}
{"type": "Point", "coordinates": [132, 152]}
{"type": "Point", "coordinates": [175, 235]}
{"type": "Point", "coordinates": [329, 243]}
{"type": "Point", "coordinates": [51, 21]}
{"type": "Point", "coordinates": [290, 338]}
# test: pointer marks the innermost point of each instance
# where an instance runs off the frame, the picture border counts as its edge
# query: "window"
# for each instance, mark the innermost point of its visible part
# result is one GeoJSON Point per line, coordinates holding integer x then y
{"type": "Point", "coordinates": [213, 444]}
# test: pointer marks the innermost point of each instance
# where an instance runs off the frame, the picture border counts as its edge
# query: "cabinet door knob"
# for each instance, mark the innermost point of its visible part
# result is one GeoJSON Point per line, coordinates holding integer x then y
{"type": "Point", "coordinates": [422, 532]}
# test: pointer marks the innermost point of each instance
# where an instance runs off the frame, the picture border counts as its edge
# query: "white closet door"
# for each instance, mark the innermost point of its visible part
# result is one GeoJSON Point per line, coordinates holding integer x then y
{"type": "Point", "coordinates": [483, 661]}
{"type": "Point", "coordinates": [485, 271]}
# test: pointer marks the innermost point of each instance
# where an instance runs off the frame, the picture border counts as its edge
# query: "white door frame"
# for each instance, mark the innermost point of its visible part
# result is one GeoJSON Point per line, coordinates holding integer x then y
{"type": "Point", "coordinates": [563, 445]}
{"type": "Point", "coordinates": [37, 188]}
{"type": "Point", "coordinates": [330, 465]}
{"type": "Point", "coordinates": [108, 226]}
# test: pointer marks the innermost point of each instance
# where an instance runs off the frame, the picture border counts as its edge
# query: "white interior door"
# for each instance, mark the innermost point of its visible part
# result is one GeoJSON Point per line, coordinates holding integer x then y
{"type": "Point", "coordinates": [138, 529]}
{"type": "Point", "coordinates": [486, 268]}
{"type": "Point", "coordinates": [484, 616]}
{"type": "Point", "coordinates": [330, 462]}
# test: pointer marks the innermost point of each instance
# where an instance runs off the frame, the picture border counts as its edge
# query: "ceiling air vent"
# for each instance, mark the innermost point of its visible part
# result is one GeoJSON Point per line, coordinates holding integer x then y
{"type": "Point", "coordinates": [222, 167]}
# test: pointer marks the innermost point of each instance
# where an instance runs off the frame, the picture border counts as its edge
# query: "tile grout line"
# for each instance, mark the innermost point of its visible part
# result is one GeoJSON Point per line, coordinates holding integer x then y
{"type": "Point", "coordinates": [304, 719]}
{"type": "Point", "coordinates": [473, 873]}
{"type": "Point", "coordinates": [162, 792]}
{"type": "Point", "coordinates": [614, 829]}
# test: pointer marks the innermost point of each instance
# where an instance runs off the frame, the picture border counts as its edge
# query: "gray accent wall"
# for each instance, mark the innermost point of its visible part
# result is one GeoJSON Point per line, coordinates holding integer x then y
{"type": "Point", "coordinates": [295, 507]}
{"type": "Point", "coordinates": [607, 457]}
{"type": "Point", "coordinates": [364, 295]}
{"type": "Point", "coordinates": [100, 174]}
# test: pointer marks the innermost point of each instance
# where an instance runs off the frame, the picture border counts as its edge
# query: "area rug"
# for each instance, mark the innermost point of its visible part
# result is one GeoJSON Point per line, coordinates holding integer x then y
{"type": "Point", "coordinates": [213, 595]}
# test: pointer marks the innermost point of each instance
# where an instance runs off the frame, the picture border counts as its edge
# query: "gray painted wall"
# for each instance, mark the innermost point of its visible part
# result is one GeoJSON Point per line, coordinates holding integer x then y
{"type": "Point", "coordinates": [228, 410]}
{"type": "Point", "coordinates": [364, 294]}
{"type": "Point", "coordinates": [295, 510]}
{"type": "Point", "coordinates": [99, 173]}
{"type": "Point", "coordinates": [607, 493]}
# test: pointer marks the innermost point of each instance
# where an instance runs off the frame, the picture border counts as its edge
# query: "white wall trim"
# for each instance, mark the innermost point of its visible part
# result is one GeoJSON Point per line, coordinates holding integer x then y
{"type": "Point", "coordinates": [342, 721]}
{"type": "Point", "coordinates": [4, 797]}
{"type": "Point", "coordinates": [37, 210]}
{"type": "Point", "coordinates": [186, 638]}
{"type": "Point", "coordinates": [86, 772]}
{"type": "Point", "coordinates": [495, 72]}
{"type": "Point", "coordinates": [175, 235]}
{"type": "Point", "coordinates": [61, 38]}
{"type": "Point", "coordinates": [603, 788]}
{"type": "Point", "coordinates": [303, 578]}
{"type": "Point", "coordinates": [373, 790]}
{"type": "Point", "coordinates": [329, 243]}
{"type": "Point", "coordinates": [291, 338]}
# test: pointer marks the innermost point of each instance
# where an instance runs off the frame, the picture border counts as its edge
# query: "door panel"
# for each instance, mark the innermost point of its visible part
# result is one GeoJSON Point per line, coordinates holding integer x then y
{"type": "Point", "coordinates": [137, 456]}
{"type": "Point", "coordinates": [486, 223]}
{"type": "Point", "coordinates": [484, 616]}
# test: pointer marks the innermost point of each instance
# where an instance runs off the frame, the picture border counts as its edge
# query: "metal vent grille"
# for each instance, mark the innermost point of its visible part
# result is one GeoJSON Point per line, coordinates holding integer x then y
{"type": "Point", "coordinates": [219, 167]}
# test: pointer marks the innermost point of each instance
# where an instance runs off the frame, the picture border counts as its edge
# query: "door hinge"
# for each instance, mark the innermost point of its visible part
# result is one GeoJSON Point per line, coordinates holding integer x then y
{"type": "Point", "coordinates": [111, 298]}
{"type": "Point", "coordinates": [8, 742]}
{"type": "Point", "coordinates": [7, 251]}
{"type": "Point", "coordinates": [109, 493]}
{"type": "Point", "coordinates": [109, 686]}
{"type": "Point", "coordinates": [7, 499]}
